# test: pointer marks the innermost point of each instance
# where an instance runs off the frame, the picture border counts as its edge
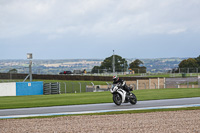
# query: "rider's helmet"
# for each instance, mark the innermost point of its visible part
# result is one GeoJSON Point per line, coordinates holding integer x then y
{"type": "Point", "coordinates": [115, 78]}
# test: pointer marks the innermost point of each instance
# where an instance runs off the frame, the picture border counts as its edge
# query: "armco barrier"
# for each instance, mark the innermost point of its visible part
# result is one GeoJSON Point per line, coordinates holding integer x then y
{"type": "Point", "coordinates": [21, 88]}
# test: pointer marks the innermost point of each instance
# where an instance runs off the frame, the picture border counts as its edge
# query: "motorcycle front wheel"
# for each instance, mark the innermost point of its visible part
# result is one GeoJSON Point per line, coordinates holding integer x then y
{"type": "Point", "coordinates": [117, 99]}
{"type": "Point", "coordinates": [133, 99]}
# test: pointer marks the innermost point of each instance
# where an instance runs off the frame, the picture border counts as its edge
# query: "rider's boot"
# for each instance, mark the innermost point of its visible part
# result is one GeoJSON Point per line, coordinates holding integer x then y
{"type": "Point", "coordinates": [128, 93]}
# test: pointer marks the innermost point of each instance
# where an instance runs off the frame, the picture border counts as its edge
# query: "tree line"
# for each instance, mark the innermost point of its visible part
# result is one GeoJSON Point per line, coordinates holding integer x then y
{"type": "Point", "coordinates": [121, 65]}
{"type": "Point", "coordinates": [188, 65]}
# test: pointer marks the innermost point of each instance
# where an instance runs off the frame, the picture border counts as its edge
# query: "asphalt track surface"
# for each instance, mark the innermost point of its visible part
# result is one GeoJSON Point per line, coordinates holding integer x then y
{"type": "Point", "coordinates": [95, 108]}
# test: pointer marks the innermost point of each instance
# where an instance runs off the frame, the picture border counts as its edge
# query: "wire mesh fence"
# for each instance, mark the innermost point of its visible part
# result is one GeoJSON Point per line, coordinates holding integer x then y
{"type": "Point", "coordinates": [189, 82]}
{"type": "Point", "coordinates": [81, 86]}
{"type": "Point", "coordinates": [73, 87]}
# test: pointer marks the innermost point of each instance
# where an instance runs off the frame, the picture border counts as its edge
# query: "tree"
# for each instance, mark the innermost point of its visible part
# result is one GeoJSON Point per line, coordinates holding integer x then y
{"type": "Point", "coordinates": [198, 60]}
{"type": "Point", "coordinates": [188, 63]}
{"type": "Point", "coordinates": [136, 66]}
{"type": "Point", "coordinates": [12, 71]}
{"type": "Point", "coordinates": [107, 65]}
{"type": "Point", "coordinates": [95, 69]}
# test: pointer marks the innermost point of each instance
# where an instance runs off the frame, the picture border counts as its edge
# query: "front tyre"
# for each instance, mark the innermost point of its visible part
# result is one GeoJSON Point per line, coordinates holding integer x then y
{"type": "Point", "coordinates": [117, 99]}
{"type": "Point", "coordinates": [133, 99]}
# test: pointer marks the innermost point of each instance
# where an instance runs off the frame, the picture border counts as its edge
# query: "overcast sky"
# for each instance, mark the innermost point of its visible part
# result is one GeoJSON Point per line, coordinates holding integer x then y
{"type": "Point", "coordinates": [78, 29]}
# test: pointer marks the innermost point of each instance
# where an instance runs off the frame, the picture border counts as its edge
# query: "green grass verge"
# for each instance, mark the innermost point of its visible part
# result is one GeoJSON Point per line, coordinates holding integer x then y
{"type": "Point", "coordinates": [92, 98]}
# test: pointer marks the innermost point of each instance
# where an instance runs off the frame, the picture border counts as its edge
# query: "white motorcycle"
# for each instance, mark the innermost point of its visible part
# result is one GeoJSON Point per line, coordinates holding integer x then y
{"type": "Point", "coordinates": [121, 96]}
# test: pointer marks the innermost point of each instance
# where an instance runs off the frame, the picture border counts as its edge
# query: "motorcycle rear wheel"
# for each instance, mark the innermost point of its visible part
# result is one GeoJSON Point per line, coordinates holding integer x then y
{"type": "Point", "coordinates": [117, 99]}
{"type": "Point", "coordinates": [133, 99]}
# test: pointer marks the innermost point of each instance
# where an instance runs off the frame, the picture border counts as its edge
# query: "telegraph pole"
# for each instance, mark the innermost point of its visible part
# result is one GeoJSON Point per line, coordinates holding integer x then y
{"type": "Point", "coordinates": [113, 62]}
{"type": "Point", "coordinates": [29, 56]}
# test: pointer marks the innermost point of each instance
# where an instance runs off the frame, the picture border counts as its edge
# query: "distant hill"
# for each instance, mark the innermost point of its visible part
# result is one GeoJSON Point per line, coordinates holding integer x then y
{"type": "Point", "coordinates": [161, 64]}
{"type": "Point", "coordinates": [56, 66]}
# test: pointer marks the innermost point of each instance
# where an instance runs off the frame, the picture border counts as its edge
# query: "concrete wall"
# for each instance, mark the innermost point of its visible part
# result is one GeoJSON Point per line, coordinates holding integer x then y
{"type": "Point", "coordinates": [29, 88]}
{"type": "Point", "coordinates": [139, 84]}
{"type": "Point", "coordinates": [188, 86]}
{"type": "Point", "coordinates": [8, 89]}
{"type": "Point", "coordinates": [21, 88]}
{"type": "Point", "coordinates": [151, 83]}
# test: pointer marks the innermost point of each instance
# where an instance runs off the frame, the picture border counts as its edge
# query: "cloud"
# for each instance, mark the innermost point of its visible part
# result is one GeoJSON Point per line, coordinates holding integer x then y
{"type": "Point", "coordinates": [176, 31]}
{"type": "Point", "coordinates": [57, 18]}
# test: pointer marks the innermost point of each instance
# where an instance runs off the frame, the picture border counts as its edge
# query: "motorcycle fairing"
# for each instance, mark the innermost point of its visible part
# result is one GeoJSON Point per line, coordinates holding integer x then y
{"type": "Point", "coordinates": [122, 93]}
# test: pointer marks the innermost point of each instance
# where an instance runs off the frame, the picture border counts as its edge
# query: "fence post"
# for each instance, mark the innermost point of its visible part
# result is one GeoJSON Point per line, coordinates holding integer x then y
{"type": "Point", "coordinates": [50, 88]}
{"type": "Point", "coordinates": [59, 88]}
{"type": "Point", "coordinates": [80, 86]}
{"type": "Point", "coordinates": [144, 85]}
{"type": "Point", "coordinates": [65, 87]}
{"type": "Point", "coordinates": [137, 85]}
{"type": "Point", "coordinates": [177, 85]}
{"type": "Point", "coordinates": [72, 87]}
{"type": "Point", "coordinates": [164, 84]}
{"type": "Point", "coordinates": [107, 84]}
{"type": "Point", "coordinates": [158, 83]}
{"type": "Point", "coordinates": [149, 83]}
{"type": "Point", "coordinates": [93, 87]}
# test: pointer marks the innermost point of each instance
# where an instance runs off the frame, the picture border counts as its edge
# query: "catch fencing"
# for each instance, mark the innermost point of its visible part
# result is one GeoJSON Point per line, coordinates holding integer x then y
{"type": "Point", "coordinates": [79, 87]}
{"type": "Point", "coordinates": [159, 83]}
{"type": "Point", "coordinates": [151, 83]}
{"type": "Point", "coordinates": [189, 82]}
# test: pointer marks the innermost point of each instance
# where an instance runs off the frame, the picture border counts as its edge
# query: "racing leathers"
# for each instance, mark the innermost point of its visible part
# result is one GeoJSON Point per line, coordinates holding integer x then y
{"type": "Point", "coordinates": [123, 84]}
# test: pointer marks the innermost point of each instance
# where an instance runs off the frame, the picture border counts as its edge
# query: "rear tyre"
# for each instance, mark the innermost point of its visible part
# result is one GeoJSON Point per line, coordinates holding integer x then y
{"type": "Point", "coordinates": [133, 99]}
{"type": "Point", "coordinates": [117, 99]}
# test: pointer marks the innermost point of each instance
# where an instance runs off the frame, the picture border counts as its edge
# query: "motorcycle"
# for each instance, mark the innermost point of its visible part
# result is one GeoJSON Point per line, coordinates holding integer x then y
{"type": "Point", "coordinates": [121, 96]}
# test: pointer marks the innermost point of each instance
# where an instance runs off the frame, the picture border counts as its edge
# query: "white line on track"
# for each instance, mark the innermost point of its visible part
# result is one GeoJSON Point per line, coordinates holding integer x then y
{"type": "Point", "coordinates": [98, 111]}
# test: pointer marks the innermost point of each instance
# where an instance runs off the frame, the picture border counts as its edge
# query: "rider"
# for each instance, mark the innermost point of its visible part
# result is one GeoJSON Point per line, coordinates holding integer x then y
{"type": "Point", "coordinates": [123, 83]}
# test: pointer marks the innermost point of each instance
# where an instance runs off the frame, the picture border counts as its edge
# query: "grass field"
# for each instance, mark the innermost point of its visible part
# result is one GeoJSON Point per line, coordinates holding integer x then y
{"type": "Point", "coordinates": [92, 98]}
